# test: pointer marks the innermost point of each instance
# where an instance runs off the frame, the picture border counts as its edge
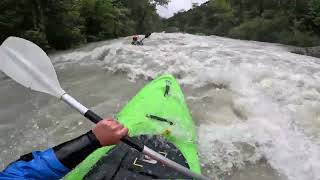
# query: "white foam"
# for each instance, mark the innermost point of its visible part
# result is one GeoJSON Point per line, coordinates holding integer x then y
{"type": "Point", "coordinates": [276, 88]}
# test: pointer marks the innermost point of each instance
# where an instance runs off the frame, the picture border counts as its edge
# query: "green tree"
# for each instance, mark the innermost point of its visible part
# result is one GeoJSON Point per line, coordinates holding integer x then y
{"type": "Point", "coordinates": [99, 17]}
{"type": "Point", "coordinates": [143, 13]}
{"type": "Point", "coordinates": [22, 18]}
{"type": "Point", "coordinates": [63, 23]}
{"type": "Point", "coordinates": [293, 22]}
{"type": "Point", "coordinates": [220, 22]}
{"type": "Point", "coordinates": [123, 24]}
{"type": "Point", "coordinates": [313, 18]}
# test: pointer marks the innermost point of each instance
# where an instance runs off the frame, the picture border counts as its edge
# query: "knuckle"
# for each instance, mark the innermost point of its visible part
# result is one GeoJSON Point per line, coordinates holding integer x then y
{"type": "Point", "coordinates": [119, 134]}
{"type": "Point", "coordinates": [119, 126]}
{"type": "Point", "coordinates": [113, 128]}
{"type": "Point", "coordinates": [105, 122]}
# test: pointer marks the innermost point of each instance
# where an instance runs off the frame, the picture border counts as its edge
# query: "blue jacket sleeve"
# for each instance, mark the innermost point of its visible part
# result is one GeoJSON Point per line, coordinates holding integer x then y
{"type": "Point", "coordinates": [44, 165]}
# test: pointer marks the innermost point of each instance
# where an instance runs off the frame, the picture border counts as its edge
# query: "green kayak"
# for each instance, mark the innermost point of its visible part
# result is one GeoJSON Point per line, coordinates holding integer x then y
{"type": "Point", "coordinates": [157, 116]}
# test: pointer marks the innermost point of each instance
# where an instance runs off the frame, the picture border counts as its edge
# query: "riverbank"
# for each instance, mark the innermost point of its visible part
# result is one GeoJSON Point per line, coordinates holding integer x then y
{"type": "Point", "coordinates": [308, 51]}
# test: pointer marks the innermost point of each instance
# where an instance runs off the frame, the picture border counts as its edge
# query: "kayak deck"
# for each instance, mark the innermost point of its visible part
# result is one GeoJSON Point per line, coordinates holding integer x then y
{"type": "Point", "coordinates": [158, 109]}
{"type": "Point", "coordinates": [124, 162]}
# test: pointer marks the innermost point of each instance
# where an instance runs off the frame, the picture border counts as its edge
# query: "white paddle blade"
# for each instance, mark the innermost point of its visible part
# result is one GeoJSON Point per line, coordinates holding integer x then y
{"type": "Point", "coordinates": [29, 65]}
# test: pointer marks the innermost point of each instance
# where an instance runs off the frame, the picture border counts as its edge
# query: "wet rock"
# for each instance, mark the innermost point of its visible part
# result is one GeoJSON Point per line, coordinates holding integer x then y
{"type": "Point", "coordinates": [172, 29]}
{"type": "Point", "coordinates": [308, 51]}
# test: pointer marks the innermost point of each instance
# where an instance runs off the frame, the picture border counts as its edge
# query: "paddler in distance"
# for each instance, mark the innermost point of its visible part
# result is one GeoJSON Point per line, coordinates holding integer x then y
{"type": "Point", "coordinates": [135, 41]}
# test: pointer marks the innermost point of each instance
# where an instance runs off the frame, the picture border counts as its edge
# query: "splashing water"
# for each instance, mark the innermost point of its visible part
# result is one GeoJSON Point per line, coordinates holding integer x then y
{"type": "Point", "coordinates": [256, 105]}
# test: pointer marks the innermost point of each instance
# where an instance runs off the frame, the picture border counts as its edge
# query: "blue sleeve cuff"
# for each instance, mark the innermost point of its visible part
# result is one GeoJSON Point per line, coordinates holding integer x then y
{"type": "Point", "coordinates": [44, 165]}
{"type": "Point", "coordinates": [50, 158]}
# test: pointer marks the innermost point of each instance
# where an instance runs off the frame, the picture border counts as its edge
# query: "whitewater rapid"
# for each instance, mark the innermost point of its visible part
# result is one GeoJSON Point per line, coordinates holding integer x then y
{"type": "Point", "coordinates": [256, 105]}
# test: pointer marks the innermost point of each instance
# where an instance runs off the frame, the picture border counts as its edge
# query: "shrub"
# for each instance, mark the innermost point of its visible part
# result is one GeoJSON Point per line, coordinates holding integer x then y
{"type": "Point", "coordinates": [260, 29]}
{"type": "Point", "coordinates": [37, 37]}
{"type": "Point", "coordinates": [299, 38]}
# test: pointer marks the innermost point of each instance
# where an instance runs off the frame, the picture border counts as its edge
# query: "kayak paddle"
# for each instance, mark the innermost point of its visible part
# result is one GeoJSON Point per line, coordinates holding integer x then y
{"type": "Point", "coordinates": [29, 65]}
{"type": "Point", "coordinates": [145, 37]}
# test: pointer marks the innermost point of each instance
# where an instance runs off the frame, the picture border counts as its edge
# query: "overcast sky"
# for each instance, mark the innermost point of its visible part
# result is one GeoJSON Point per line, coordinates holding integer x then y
{"type": "Point", "coordinates": [175, 6]}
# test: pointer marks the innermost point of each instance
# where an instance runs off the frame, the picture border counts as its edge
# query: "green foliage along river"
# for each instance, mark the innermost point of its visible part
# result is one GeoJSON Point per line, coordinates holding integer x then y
{"type": "Point", "coordinates": [68, 23]}
{"type": "Point", "coordinates": [64, 24]}
{"type": "Point", "coordinates": [293, 22]}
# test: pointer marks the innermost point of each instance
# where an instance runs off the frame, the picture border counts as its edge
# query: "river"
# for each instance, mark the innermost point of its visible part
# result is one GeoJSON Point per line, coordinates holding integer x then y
{"type": "Point", "coordinates": [256, 105]}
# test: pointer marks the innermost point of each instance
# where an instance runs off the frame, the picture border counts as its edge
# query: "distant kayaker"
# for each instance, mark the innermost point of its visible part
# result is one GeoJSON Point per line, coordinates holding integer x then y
{"type": "Point", "coordinates": [135, 41]}
{"type": "Point", "coordinates": [55, 163]}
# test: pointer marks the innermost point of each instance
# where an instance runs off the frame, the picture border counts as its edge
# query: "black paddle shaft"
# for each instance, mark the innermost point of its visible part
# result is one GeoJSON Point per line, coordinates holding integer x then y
{"type": "Point", "coordinates": [95, 119]}
{"type": "Point", "coordinates": [145, 37]}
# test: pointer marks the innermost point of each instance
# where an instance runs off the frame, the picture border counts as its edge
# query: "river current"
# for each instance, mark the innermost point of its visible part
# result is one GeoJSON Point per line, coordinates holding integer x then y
{"type": "Point", "coordinates": [256, 105]}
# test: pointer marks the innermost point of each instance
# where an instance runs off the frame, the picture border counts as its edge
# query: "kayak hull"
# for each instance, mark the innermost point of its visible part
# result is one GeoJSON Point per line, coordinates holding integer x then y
{"type": "Point", "coordinates": [158, 109]}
